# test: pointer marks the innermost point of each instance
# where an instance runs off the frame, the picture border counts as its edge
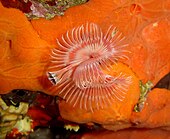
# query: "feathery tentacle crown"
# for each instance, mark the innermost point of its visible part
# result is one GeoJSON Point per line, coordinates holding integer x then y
{"type": "Point", "coordinates": [78, 64]}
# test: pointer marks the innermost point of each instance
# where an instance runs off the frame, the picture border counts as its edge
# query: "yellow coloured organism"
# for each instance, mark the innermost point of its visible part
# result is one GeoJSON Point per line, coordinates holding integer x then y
{"type": "Point", "coordinates": [13, 117]}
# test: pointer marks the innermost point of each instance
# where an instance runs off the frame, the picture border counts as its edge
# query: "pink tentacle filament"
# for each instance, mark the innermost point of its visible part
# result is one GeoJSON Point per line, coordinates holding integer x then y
{"type": "Point", "coordinates": [78, 64]}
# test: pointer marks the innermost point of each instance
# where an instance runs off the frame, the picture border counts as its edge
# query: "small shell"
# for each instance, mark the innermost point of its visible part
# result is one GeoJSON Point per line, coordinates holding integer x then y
{"type": "Point", "coordinates": [78, 65]}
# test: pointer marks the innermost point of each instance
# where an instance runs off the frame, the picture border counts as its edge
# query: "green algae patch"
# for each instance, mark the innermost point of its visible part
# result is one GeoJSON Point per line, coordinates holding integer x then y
{"type": "Point", "coordinates": [48, 9]}
{"type": "Point", "coordinates": [144, 89]}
